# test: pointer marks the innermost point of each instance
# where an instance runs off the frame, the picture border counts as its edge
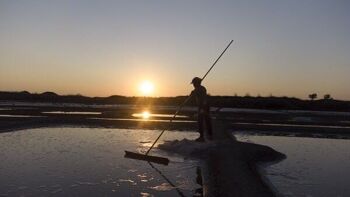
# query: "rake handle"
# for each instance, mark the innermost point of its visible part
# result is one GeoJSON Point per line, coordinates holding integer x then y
{"type": "Point", "coordinates": [171, 120]}
{"type": "Point", "coordinates": [188, 98]}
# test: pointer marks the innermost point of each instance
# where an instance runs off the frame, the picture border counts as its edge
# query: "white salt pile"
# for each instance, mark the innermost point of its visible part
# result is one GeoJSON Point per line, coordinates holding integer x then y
{"type": "Point", "coordinates": [187, 147]}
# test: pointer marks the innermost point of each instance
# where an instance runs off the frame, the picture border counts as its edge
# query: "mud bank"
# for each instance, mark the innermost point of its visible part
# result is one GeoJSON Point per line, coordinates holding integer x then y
{"type": "Point", "coordinates": [228, 167]}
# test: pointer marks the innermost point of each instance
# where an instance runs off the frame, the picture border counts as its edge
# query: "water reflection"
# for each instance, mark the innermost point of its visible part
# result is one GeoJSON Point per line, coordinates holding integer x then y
{"type": "Point", "coordinates": [87, 162]}
{"type": "Point", "coordinates": [5, 109]}
{"type": "Point", "coordinates": [314, 166]}
{"type": "Point", "coordinates": [73, 112]}
{"type": "Point", "coordinates": [138, 120]}
{"type": "Point", "coordinates": [147, 115]}
{"type": "Point", "coordinates": [19, 116]}
{"type": "Point", "coordinates": [165, 187]}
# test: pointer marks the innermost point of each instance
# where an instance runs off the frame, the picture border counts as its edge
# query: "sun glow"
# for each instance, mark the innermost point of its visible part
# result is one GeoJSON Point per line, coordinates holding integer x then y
{"type": "Point", "coordinates": [146, 88]}
{"type": "Point", "coordinates": [145, 115]}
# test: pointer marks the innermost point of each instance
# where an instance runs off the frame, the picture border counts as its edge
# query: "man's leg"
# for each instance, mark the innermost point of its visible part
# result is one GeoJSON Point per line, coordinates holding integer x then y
{"type": "Point", "coordinates": [208, 125]}
{"type": "Point", "coordinates": [207, 120]}
{"type": "Point", "coordinates": [200, 127]}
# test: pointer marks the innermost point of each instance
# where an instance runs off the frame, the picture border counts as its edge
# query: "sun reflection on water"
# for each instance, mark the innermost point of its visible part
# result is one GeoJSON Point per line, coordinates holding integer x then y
{"type": "Point", "coordinates": [145, 115]}
{"type": "Point", "coordinates": [148, 115]}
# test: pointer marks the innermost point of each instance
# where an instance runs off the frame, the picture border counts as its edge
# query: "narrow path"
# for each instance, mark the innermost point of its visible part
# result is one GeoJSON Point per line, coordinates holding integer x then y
{"type": "Point", "coordinates": [230, 169]}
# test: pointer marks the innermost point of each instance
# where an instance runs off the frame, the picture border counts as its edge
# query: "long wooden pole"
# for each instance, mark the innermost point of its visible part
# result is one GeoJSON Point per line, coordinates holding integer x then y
{"type": "Point", "coordinates": [188, 98]}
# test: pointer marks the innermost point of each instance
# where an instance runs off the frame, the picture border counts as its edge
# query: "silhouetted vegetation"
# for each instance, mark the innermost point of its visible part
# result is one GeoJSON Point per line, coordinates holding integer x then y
{"type": "Point", "coordinates": [313, 96]}
{"type": "Point", "coordinates": [271, 102]}
{"type": "Point", "coordinates": [327, 96]}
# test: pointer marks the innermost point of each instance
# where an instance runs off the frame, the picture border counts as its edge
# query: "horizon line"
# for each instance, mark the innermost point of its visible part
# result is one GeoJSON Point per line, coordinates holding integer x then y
{"type": "Point", "coordinates": [247, 95]}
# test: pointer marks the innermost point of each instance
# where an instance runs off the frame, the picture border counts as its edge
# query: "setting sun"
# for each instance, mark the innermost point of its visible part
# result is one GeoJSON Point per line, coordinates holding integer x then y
{"type": "Point", "coordinates": [146, 87]}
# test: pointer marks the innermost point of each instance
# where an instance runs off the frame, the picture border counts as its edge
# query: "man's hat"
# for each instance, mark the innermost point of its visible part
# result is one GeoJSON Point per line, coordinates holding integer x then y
{"type": "Point", "coordinates": [196, 80]}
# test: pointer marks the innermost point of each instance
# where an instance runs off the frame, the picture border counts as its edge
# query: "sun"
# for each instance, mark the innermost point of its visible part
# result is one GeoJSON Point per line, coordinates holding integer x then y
{"type": "Point", "coordinates": [146, 88]}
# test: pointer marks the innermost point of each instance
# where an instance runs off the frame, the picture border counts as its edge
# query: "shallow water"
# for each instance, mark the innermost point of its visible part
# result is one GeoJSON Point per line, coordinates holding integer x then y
{"type": "Point", "coordinates": [73, 112]}
{"type": "Point", "coordinates": [142, 120]}
{"type": "Point", "coordinates": [90, 162]}
{"type": "Point", "coordinates": [142, 115]}
{"type": "Point", "coordinates": [294, 125]}
{"type": "Point", "coordinates": [314, 166]}
{"type": "Point", "coordinates": [5, 109]}
{"type": "Point", "coordinates": [165, 107]}
{"type": "Point", "coordinates": [19, 116]}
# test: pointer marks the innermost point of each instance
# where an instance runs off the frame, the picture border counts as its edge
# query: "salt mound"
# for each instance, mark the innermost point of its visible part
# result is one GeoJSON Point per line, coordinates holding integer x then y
{"type": "Point", "coordinates": [187, 147]}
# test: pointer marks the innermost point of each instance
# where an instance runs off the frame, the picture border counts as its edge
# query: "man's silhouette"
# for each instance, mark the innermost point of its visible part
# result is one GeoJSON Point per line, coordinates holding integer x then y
{"type": "Point", "coordinates": [200, 94]}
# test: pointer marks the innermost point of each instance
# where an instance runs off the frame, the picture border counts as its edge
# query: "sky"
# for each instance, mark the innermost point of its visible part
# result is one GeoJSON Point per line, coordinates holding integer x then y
{"type": "Point", "coordinates": [102, 48]}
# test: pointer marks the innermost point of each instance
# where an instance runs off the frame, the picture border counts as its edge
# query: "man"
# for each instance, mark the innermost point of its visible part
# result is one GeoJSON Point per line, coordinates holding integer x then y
{"type": "Point", "coordinates": [200, 94]}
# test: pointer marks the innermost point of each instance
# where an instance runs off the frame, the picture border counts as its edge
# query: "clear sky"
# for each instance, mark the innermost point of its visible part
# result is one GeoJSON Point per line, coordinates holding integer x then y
{"type": "Point", "coordinates": [101, 48]}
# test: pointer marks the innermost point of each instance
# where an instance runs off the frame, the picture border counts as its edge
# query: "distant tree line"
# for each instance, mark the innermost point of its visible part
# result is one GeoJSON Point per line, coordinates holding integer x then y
{"type": "Point", "coordinates": [271, 102]}
{"type": "Point", "coordinates": [313, 96]}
